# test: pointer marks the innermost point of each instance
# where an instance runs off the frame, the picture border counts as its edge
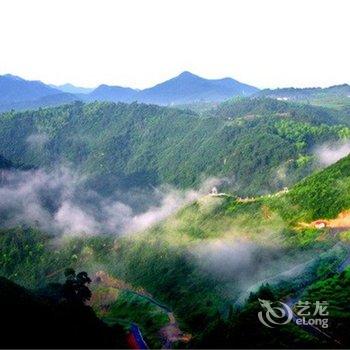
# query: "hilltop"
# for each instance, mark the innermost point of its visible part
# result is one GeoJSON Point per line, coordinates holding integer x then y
{"type": "Point", "coordinates": [190, 88]}
{"type": "Point", "coordinates": [305, 93]}
{"type": "Point", "coordinates": [337, 96]}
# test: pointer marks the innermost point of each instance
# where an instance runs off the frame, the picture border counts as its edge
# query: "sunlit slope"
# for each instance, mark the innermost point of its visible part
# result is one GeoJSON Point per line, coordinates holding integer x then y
{"type": "Point", "coordinates": [322, 195]}
{"type": "Point", "coordinates": [223, 224]}
{"type": "Point", "coordinates": [230, 238]}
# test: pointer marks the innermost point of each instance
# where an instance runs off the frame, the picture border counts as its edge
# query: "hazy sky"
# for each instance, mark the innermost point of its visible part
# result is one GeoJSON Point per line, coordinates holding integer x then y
{"type": "Point", "coordinates": [137, 43]}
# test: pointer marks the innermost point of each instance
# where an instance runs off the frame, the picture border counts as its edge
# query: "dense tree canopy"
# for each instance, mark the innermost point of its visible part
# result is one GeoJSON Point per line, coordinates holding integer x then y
{"type": "Point", "coordinates": [248, 141]}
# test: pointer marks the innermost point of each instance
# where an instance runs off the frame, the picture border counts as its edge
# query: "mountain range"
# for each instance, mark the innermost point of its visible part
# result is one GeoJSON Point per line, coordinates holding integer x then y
{"type": "Point", "coordinates": [19, 94]}
{"type": "Point", "coordinates": [117, 191]}
{"type": "Point", "coordinates": [72, 89]}
{"type": "Point", "coordinates": [16, 89]}
{"type": "Point", "coordinates": [300, 94]}
{"type": "Point", "coordinates": [337, 96]}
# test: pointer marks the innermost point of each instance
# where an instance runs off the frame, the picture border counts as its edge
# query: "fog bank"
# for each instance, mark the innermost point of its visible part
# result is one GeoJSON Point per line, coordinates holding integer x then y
{"type": "Point", "coordinates": [329, 153]}
{"type": "Point", "coordinates": [60, 202]}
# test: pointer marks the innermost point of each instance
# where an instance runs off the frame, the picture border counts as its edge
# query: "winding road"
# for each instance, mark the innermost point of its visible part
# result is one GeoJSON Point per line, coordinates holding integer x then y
{"type": "Point", "coordinates": [171, 332]}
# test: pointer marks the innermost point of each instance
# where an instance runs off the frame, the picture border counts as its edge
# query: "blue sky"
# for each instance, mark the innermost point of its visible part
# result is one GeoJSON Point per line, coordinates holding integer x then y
{"type": "Point", "coordinates": [137, 43]}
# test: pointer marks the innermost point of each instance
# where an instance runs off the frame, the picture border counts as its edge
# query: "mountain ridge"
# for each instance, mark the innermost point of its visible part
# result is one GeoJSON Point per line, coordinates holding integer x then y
{"type": "Point", "coordinates": [72, 89]}
{"type": "Point", "coordinates": [188, 87]}
{"type": "Point", "coordinates": [183, 89]}
{"type": "Point", "coordinates": [18, 93]}
{"type": "Point", "coordinates": [146, 145]}
{"type": "Point", "coordinates": [16, 89]}
{"type": "Point", "coordinates": [300, 93]}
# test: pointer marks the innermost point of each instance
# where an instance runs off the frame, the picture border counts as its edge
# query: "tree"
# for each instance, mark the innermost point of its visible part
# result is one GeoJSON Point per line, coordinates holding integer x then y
{"type": "Point", "coordinates": [75, 289]}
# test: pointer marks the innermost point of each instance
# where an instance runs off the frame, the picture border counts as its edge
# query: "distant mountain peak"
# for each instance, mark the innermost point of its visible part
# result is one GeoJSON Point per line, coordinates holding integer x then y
{"type": "Point", "coordinates": [106, 92]}
{"type": "Point", "coordinates": [182, 89]}
{"type": "Point", "coordinates": [14, 89]}
{"type": "Point", "coordinates": [111, 87]}
{"type": "Point", "coordinates": [189, 88]}
{"type": "Point", "coordinates": [187, 74]}
{"type": "Point", "coordinates": [11, 76]}
{"type": "Point", "coordinates": [340, 86]}
{"type": "Point", "coordinates": [72, 89]}
{"type": "Point", "coordinates": [103, 86]}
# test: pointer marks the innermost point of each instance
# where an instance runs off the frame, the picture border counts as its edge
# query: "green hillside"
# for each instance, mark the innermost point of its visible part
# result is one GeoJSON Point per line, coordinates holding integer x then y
{"type": "Point", "coordinates": [206, 264]}
{"type": "Point", "coordinates": [334, 96]}
{"type": "Point", "coordinates": [203, 261]}
{"type": "Point", "coordinates": [258, 145]}
{"type": "Point", "coordinates": [268, 106]}
{"type": "Point", "coordinates": [321, 195]}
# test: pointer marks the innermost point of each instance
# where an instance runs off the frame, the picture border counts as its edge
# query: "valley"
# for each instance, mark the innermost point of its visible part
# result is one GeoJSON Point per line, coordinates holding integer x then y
{"type": "Point", "coordinates": [182, 218]}
{"type": "Point", "coordinates": [174, 174]}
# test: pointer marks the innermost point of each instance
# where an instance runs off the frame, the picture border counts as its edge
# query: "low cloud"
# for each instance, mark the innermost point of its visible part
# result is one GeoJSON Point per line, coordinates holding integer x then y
{"type": "Point", "coordinates": [242, 266]}
{"type": "Point", "coordinates": [328, 154]}
{"type": "Point", "coordinates": [59, 202]}
{"type": "Point", "coordinates": [37, 140]}
{"type": "Point", "coordinates": [225, 258]}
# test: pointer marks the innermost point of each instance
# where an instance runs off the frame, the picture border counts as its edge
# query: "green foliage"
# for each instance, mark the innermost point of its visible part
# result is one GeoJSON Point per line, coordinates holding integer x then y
{"type": "Point", "coordinates": [303, 160]}
{"type": "Point", "coordinates": [244, 330]}
{"type": "Point", "coordinates": [306, 134]}
{"type": "Point", "coordinates": [325, 194]}
{"type": "Point", "coordinates": [260, 106]}
{"type": "Point", "coordinates": [33, 259]}
{"type": "Point", "coordinates": [170, 276]}
{"type": "Point", "coordinates": [259, 141]}
{"type": "Point", "coordinates": [137, 144]}
{"type": "Point", "coordinates": [24, 256]}
{"type": "Point", "coordinates": [335, 290]}
{"type": "Point", "coordinates": [345, 236]}
{"type": "Point", "coordinates": [335, 97]}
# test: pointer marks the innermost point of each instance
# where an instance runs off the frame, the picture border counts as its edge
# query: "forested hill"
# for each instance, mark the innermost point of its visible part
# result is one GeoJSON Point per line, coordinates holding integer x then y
{"type": "Point", "coordinates": [261, 145]}
{"type": "Point", "coordinates": [239, 107]}
{"type": "Point", "coordinates": [205, 248]}
{"type": "Point", "coordinates": [324, 194]}
{"type": "Point", "coordinates": [301, 94]}
{"type": "Point", "coordinates": [334, 96]}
